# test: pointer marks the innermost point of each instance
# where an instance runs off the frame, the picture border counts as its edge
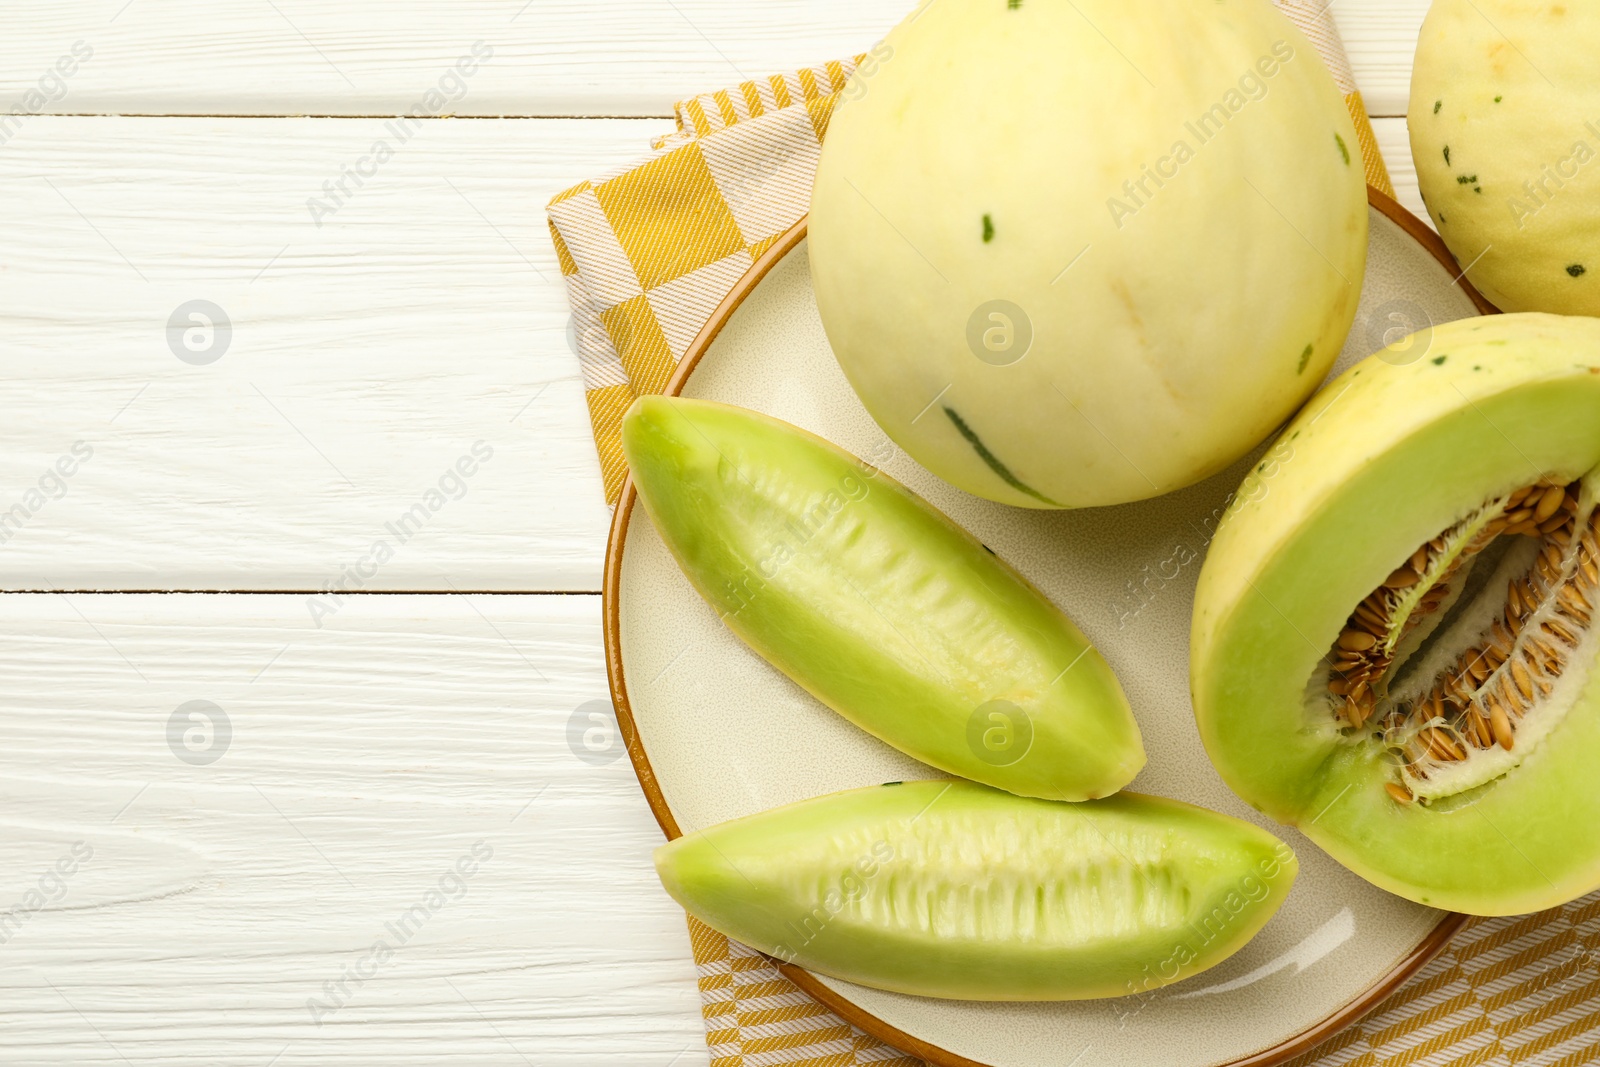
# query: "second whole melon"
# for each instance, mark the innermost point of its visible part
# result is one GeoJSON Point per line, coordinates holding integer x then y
{"type": "Point", "coordinates": [1505, 126]}
{"type": "Point", "coordinates": [1078, 254]}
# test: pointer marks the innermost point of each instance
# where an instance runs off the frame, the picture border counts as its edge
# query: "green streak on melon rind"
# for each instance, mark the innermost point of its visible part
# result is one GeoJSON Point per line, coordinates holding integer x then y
{"type": "Point", "coordinates": [993, 461]}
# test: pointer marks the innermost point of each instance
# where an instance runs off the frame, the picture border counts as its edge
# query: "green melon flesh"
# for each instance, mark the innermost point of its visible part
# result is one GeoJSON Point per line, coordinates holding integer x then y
{"type": "Point", "coordinates": [1383, 459]}
{"type": "Point", "coordinates": [879, 605]}
{"type": "Point", "coordinates": [949, 889]}
{"type": "Point", "coordinates": [1079, 253]}
{"type": "Point", "coordinates": [1505, 133]}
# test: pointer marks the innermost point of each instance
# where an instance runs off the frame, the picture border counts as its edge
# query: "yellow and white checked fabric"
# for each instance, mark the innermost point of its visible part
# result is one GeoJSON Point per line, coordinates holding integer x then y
{"type": "Point", "coordinates": [648, 252]}
{"type": "Point", "coordinates": [755, 1017]}
{"type": "Point", "coordinates": [1522, 990]}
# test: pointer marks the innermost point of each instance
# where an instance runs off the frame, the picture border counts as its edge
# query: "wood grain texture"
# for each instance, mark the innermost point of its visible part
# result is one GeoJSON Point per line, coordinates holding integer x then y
{"type": "Point", "coordinates": [1380, 37]}
{"type": "Point", "coordinates": [1395, 144]}
{"type": "Point", "coordinates": [368, 354]}
{"type": "Point", "coordinates": [550, 57]}
{"type": "Point", "coordinates": [366, 758]}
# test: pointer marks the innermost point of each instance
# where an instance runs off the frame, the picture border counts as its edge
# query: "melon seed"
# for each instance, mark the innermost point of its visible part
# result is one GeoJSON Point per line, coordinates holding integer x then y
{"type": "Point", "coordinates": [1509, 698]}
{"type": "Point", "coordinates": [1519, 673]}
{"type": "Point", "coordinates": [1356, 640]}
{"type": "Point", "coordinates": [1479, 729]}
{"type": "Point", "coordinates": [1501, 726]}
{"type": "Point", "coordinates": [1442, 747]}
{"type": "Point", "coordinates": [1550, 502]}
{"type": "Point", "coordinates": [1404, 578]}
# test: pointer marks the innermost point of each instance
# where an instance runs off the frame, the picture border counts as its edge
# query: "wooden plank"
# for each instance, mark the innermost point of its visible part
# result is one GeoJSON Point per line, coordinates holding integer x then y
{"type": "Point", "coordinates": [401, 775]}
{"type": "Point", "coordinates": [550, 57]}
{"type": "Point", "coordinates": [368, 355]}
{"type": "Point", "coordinates": [1381, 39]}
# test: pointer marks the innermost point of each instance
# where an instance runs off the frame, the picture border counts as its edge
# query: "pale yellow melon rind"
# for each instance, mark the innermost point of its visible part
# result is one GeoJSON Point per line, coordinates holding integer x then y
{"type": "Point", "coordinates": [1366, 411]}
{"type": "Point", "coordinates": [1504, 123]}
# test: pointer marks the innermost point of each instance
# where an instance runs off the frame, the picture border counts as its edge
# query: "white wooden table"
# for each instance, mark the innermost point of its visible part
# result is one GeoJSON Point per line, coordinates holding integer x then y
{"type": "Point", "coordinates": [205, 884]}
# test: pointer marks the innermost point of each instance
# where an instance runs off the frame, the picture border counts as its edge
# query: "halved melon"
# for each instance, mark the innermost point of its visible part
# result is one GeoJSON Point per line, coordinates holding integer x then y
{"type": "Point", "coordinates": [1393, 643]}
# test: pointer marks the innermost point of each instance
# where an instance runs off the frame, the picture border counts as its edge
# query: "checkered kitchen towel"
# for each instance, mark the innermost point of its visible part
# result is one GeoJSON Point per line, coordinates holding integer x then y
{"type": "Point", "coordinates": [648, 252]}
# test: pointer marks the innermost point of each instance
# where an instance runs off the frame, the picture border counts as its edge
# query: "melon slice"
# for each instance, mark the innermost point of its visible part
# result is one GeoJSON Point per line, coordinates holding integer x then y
{"type": "Point", "coordinates": [949, 889]}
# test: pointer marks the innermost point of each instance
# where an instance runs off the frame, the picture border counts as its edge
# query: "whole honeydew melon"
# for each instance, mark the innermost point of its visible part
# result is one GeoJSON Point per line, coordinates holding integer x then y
{"type": "Point", "coordinates": [1505, 132]}
{"type": "Point", "coordinates": [1394, 639]}
{"type": "Point", "coordinates": [1074, 254]}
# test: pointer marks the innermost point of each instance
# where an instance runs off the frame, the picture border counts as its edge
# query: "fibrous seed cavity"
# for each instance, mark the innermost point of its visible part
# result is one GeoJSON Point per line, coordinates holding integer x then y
{"type": "Point", "coordinates": [1466, 657]}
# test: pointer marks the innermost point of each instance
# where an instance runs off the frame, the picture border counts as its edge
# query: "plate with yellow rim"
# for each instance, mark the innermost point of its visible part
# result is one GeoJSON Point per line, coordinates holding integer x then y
{"type": "Point", "coordinates": [715, 733]}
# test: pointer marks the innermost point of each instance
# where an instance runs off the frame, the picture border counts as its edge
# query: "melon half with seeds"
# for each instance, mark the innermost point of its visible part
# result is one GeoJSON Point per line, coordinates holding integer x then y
{"type": "Point", "coordinates": [1078, 254]}
{"type": "Point", "coordinates": [1394, 637]}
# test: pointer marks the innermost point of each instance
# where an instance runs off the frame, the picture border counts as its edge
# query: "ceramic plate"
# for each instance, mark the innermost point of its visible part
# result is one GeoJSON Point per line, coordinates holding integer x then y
{"type": "Point", "coordinates": [715, 733]}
